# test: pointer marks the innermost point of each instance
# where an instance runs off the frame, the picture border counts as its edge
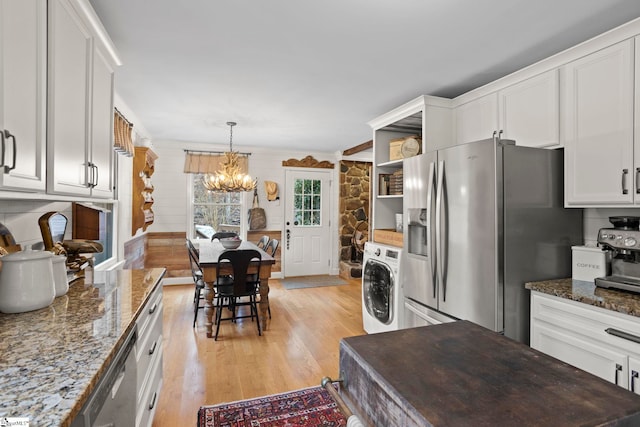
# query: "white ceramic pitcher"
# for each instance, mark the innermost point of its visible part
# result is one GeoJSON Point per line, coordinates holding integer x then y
{"type": "Point", "coordinates": [26, 281]}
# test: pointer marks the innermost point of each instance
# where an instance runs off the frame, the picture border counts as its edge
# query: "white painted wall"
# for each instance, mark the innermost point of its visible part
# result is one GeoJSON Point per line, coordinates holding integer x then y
{"type": "Point", "coordinates": [171, 196]}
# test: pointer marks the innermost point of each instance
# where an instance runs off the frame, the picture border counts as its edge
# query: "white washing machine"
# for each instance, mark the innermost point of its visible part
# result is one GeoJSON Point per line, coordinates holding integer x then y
{"type": "Point", "coordinates": [382, 296]}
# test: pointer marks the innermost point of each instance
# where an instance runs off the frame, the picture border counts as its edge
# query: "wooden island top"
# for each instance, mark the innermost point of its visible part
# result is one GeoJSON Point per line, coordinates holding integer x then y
{"type": "Point", "coordinates": [460, 374]}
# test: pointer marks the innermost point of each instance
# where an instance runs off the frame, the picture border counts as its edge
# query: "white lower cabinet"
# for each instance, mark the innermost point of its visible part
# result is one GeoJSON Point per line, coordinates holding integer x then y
{"type": "Point", "coordinates": [593, 339]}
{"type": "Point", "coordinates": [149, 359]}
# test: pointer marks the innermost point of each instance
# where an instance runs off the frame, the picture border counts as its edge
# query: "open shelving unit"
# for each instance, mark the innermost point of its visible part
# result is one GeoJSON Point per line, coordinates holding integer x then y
{"type": "Point", "coordinates": [142, 214]}
{"type": "Point", "coordinates": [426, 116]}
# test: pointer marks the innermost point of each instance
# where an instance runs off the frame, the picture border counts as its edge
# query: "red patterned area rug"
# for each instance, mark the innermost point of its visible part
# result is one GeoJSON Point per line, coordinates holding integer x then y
{"type": "Point", "coordinates": [309, 407]}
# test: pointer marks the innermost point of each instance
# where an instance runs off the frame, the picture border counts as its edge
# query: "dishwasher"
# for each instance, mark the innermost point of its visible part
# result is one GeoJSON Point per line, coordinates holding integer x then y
{"type": "Point", "coordinates": [113, 401]}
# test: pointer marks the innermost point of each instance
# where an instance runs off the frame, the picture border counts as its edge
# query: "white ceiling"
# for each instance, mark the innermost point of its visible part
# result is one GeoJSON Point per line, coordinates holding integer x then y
{"type": "Point", "coordinates": [302, 74]}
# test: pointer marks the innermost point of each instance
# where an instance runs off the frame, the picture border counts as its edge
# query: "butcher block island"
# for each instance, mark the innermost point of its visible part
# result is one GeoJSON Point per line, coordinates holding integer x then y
{"type": "Point", "coordinates": [54, 360]}
{"type": "Point", "coordinates": [460, 374]}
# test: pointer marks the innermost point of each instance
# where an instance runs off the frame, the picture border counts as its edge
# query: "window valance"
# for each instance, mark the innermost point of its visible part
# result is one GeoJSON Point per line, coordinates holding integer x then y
{"type": "Point", "coordinates": [122, 130]}
{"type": "Point", "coordinates": [210, 162]}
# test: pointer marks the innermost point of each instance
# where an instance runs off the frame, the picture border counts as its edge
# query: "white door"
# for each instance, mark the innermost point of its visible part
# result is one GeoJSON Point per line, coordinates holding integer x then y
{"type": "Point", "coordinates": [307, 237]}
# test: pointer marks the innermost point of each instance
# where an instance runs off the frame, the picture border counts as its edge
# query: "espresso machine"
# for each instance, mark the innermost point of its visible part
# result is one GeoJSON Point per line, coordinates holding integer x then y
{"type": "Point", "coordinates": [623, 241]}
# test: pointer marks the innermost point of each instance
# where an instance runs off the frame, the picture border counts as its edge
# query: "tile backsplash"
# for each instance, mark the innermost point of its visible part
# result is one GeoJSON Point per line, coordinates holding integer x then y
{"type": "Point", "coordinates": [21, 218]}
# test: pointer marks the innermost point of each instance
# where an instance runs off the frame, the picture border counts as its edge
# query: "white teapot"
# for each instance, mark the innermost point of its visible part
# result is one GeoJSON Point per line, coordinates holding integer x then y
{"type": "Point", "coordinates": [26, 281]}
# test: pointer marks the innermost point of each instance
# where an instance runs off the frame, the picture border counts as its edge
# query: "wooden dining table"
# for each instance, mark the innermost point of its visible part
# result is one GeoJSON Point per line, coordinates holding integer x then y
{"type": "Point", "coordinates": [209, 252]}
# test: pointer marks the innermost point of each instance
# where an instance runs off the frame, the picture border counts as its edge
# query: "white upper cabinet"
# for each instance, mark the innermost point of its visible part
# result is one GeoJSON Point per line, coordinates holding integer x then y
{"type": "Point", "coordinates": [597, 127]}
{"type": "Point", "coordinates": [477, 119]}
{"type": "Point", "coordinates": [23, 57]}
{"type": "Point", "coordinates": [529, 111]}
{"type": "Point", "coordinates": [102, 127]}
{"type": "Point", "coordinates": [70, 48]}
{"type": "Point", "coordinates": [80, 104]}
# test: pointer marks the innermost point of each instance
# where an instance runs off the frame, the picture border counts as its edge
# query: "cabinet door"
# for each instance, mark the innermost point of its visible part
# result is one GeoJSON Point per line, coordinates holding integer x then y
{"type": "Point", "coordinates": [477, 119]}
{"type": "Point", "coordinates": [101, 174]}
{"type": "Point", "coordinates": [529, 111]}
{"type": "Point", "coordinates": [597, 127]}
{"type": "Point", "coordinates": [23, 93]}
{"type": "Point", "coordinates": [70, 49]}
{"type": "Point", "coordinates": [574, 350]}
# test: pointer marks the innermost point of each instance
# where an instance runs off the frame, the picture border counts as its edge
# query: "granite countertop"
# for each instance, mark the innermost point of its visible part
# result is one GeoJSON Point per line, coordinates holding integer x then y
{"type": "Point", "coordinates": [588, 293]}
{"type": "Point", "coordinates": [461, 374]}
{"type": "Point", "coordinates": [51, 359]}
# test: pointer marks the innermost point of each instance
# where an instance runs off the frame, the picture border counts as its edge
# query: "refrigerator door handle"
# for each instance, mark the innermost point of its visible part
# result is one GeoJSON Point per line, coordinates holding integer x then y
{"type": "Point", "coordinates": [439, 238]}
{"type": "Point", "coordinates": [428, 236]}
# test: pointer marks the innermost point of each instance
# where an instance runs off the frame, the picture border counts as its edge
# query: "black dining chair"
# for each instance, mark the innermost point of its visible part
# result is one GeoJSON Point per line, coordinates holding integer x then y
{"type": "Point", "coordinates": [223, 235]}
{"type": "Point", "coordinates": [262, 243]}
{"type": "Point", "coordinates": [198, 279]}
{"type": "Point", "coordinates": [232, 295]}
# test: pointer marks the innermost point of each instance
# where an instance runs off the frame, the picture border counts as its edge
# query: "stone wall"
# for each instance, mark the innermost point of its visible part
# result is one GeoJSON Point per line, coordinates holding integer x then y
{"type": "Point", "coordinates": [354, 206]}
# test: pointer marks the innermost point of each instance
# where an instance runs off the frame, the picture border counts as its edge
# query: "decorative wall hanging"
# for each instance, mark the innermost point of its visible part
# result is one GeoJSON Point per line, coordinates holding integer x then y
{"type": "Point", "coordinates": [308, 162]}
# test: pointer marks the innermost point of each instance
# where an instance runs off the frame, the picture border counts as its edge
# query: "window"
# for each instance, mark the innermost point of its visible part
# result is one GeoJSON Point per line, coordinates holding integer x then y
{"type": "Point", "coordinates": [212, 212]}
{"type": "Point", "coordinates": [306, 202]}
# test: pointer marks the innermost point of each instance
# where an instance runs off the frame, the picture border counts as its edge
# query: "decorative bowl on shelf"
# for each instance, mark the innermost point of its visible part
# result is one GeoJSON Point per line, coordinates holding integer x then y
{"type": "Point", "coordinates": [231, 242]}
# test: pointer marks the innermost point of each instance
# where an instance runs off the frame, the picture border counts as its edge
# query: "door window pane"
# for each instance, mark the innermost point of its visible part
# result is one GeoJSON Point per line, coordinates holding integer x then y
{"type": "Point", "coordinates": [307, 201]}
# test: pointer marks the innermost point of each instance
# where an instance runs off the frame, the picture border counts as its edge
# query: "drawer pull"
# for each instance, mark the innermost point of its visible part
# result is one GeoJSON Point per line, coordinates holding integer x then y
{"type": "Point", "coordinates": [153, 401]}
{"type": "Point", "coordinates": [153, 349]}
{"type": "Point", "coordinates": [634, 376]}
{"type": "Point", "coordinates": [153, 309]}
{"type": "Point", "coordinates": [625, 172]}
{"type": "Point", "coordinates": [623, 335]}
{"type": "Point", "coordinates": [618, 369]}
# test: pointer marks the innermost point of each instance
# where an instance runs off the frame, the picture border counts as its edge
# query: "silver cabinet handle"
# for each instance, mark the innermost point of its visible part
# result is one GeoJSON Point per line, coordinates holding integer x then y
{"type": "Point", "coordinates": [153, 309]}
{"type": "Point", "coordinates": [618, 369]}
{"type": "Point", "coordinates": [95, 176]}
{"type": "Point", "coordinates": [637, 180]}
{"type": "Point", "coordinates": [2, 148]}
{"type": "Point", "coordinates": [622, 334]}
{"type": "Point", "coordinates": [153, 401]}
{"type": "Point", "coordinates": [625, 172]}
{"type": "Point", "coordinates": [494, 135]}
{"type": "Point", "coordinates": [90, 173]}
{"type": "Point", "coordinates": [7, 134]}
{"type": "Point", "coordinates": [153, 348]}
{"type": "Point", "coordinates": [634, 376]}
{"type": "Point", "coordinates": [500, 134]}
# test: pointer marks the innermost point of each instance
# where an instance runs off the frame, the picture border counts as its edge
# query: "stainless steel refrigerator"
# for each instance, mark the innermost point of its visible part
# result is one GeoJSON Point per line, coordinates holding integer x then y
{"type": "Point", "coordinates": [480, 220]}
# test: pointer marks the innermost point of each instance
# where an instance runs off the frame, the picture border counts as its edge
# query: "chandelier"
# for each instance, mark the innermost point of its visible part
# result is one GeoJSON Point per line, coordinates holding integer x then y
{"type": "Point", "coordinates": [229, 179]}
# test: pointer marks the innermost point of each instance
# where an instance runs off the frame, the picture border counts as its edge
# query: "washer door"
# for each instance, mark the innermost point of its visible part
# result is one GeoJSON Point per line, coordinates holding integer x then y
{"type": "Point", "coordinates": [377, 290]}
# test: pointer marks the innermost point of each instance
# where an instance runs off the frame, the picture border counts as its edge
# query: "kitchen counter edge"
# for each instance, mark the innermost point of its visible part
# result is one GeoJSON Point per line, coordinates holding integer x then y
{"type": "Point", "coordinates": [587, 293]}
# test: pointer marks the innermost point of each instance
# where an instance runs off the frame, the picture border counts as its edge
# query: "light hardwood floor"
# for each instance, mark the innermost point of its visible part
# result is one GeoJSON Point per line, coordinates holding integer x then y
{"type": "Point", "coordinates": [301, 347]}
